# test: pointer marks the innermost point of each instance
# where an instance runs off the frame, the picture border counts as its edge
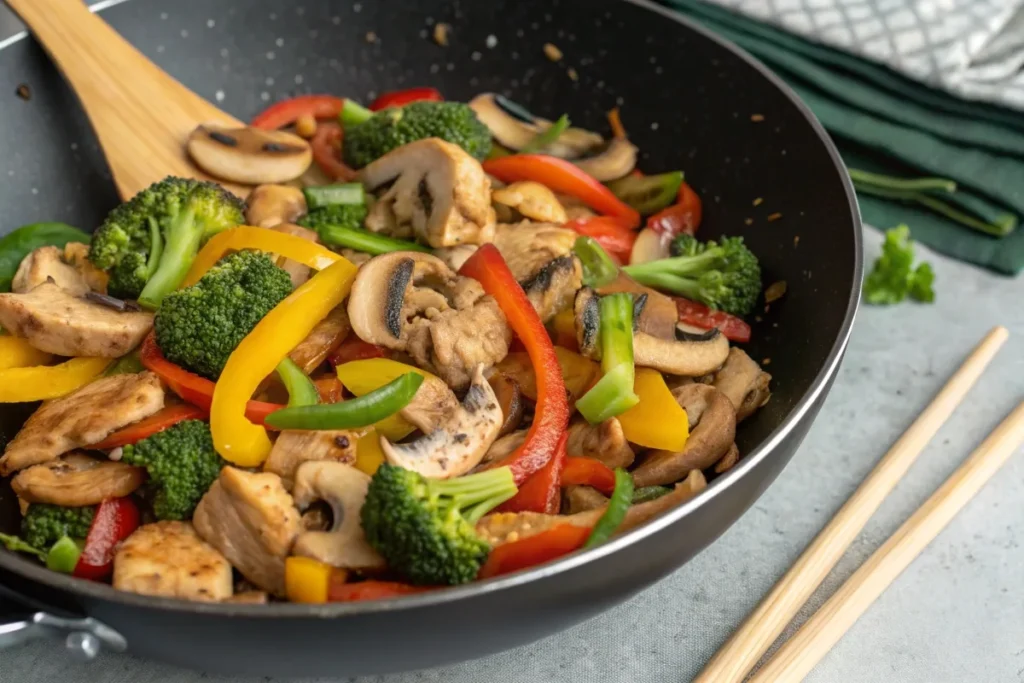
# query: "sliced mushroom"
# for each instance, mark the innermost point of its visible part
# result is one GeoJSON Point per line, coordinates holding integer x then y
{"type": "Point", "coordinates": [48, 263]}
{"type": "Point", "coordinates": [294, 447]}
{"type": "Point", "coordinates": [743, 381]}
{"type": "Point", "coordinates": [611, 161]}
{"type": "Point", "coordinates": [514, 127]}
{"type": "Point", "coordinates": [457, 445]}
{"type": "Point", "coordinates": [438, 193]}
{"type": "Point", "coordinates": [540, 257]}
{"type": "Point", "coordinates": [250, 156]}
{"type": "Point", "coordinates": [712, 431]}
{"type": "Point", "coordinates": [433, 403]}
{"type": "Point", "coordinates": [729, 460]}
{"type": "Point", "coordinates": [510, 398]}
{"type": "Point", "coordinates": [412, 302]}
{"type": "Point", "coordinates": [687, 354]}
{"type": "Point", "coordinates": [584, 498]}
{"type": "Point", "coordinates": [343, 488]}
{"type": "Point", "coordinates": [604, 442]}
{"type": "Point", "coordinates": [76, 480]}
{"type": "Point", "coordinates": [270, 205]}
{"type": "Point", "coordinates": [659, 315]}
{"type": "Point", "coordinates": [532, 200]}
{"type": "Point", "coordinates": [504, 446]}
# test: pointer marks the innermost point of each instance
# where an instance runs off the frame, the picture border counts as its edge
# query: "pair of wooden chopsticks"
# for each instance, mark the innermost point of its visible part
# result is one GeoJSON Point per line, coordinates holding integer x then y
{"type": "Point", "coordinates": [795, 659]}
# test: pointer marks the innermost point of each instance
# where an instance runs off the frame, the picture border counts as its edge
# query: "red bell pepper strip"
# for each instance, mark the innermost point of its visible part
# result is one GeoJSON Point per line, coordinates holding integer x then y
{"type": "Point", "coordinates": [287, 112]}
{"type": "Point", "coordinates": [533, 550]}
{"type": "Point", "coordinates": [338, 591]}
{"type": "Point", "coordinates": [400, 98]}
{"type": "Point", "coordinates": [354, 348]}
{"type": "Point", "coordinates": [488, 267]}
{"type": "Point", "coordinates": [158, 422]}
{"type": "Point", "coordinates": [542, 492]}
{"type": "Point", "coordinates": [563, 177]}
{"type": "Point", "coordinates": [115, 520]}
{"type": "Point", "coordinates": [191, 387]}
{"type": "Point", "coordinates": [579, 471]}
{"type": "Point", "coordinates": [697, 314]}
{"type": "Point", "coordinates": [683, 217]}
{"type": "Point", "coordinates": [330, 389]}
{"type": "Point", "coordinates": [611, 233]}
{"type": "Point", "coordinates": [326, 145]}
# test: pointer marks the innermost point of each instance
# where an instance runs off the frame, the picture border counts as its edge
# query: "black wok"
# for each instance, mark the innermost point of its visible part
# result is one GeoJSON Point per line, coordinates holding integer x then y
{"type": "Point", "coordinates": [689, 101]}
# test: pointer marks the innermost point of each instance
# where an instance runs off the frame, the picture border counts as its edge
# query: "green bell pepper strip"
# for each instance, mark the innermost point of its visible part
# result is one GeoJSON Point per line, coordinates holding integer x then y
{"type": "Point", "coordinates": [26, 239]}
{"type": "Point", "coordinates": [649, 493]}
{"type": "Point", "coordinates": [598, 267]}
{"type": "Point", "coordinates": [352, 114]}
{"type": "Point", "coordinates": [618, 506]}
{"type": "Point", "coordinates": [364, 240]}
{"type": "Point", "coordinates": [301, 390]}
{"type": "Point", "coordinates": [613, 393]}
{"type": "Point", "coordinates": [359, 412]}
{"type": "Point", "coordinates": [321, 196]}
{"type": "Point", "coordinates": [648, 194]}
{"type": "Point", "coordinates": [63, 556]}
{"type": "Point", "coordinates": [16, 545]}
{"type": "Point", "coordinates": [541, 140]}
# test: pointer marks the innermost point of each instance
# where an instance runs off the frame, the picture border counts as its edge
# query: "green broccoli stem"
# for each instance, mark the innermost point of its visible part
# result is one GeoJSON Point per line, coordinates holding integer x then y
{"type": "Point", "coordinates": [156, 247]}
{"type": "Point", "coordinates": [180, 249]}
{"type": "Point", "coordinates": [669, 282]}
{"type": "Point", "coordinates": [364, 240]}
{"type": "Point", "coordinates": [353, 113]}
{"type": "Point", "coordinates": [678, 265]}
{"type": "Point", "coordinates": [474, 495]}
{"type": "Point", "coordinates": [613, 394]}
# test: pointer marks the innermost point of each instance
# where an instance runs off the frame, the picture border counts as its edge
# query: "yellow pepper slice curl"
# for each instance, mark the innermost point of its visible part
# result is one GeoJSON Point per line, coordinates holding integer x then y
{"type": "Point", "coordinates": [236, 439]}
{"type": "Point", "coordinates": [363, 376]}
{"type": "Point", "coordinates": [657, 421]}
{"type": "Point", "coordinates": [15, 352]}
{"type": "Point", "coordinates": [306, 580]}
{"type": "Point", "coordinates": [43, 382]}
{"type": "Point", "coordinates": [369, 455]}
{"type": "Point", "coordinates": [296, 248]}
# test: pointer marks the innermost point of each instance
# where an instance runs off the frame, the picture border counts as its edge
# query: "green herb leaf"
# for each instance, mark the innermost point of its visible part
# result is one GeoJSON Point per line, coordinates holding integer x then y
{"type": "Point", "coordinates": [893, 277]}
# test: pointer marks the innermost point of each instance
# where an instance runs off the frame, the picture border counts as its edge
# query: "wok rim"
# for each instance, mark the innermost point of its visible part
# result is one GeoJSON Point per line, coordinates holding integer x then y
{"type": "Point", "coordinates": [101, 591]}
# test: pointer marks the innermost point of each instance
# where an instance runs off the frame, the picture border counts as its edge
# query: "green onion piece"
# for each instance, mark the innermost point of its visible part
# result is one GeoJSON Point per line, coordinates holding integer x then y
{"type": "Point", "coordinates": [16, 545]}
{"type": "Point", "coordinates": [598, 267]}
{"type": "Point", "coordinates": [301, 390]}
{"type": "Point", "coordinates": [353, 113]}
{"type": "Point", "coordinates": [547, 136]}
{"type": "Point", "coordinates": [618, 506]}
{"type": "Point", "coordinates": [364, 240]}
{"type": "Point", "coordinates": [129, 364]}
{"type": "Point", "coordinates": [359, 412]}
{"type": "Point", "coordinates": [63, 556]}
{"type": "Point", "coordinates": [332, 195]}
{"type": "Point", "coordinates": [613, 393]}
{"type": "Point", "coordinates": [894, 183]}
{"type": "Point", "coordinates": [649, 493]}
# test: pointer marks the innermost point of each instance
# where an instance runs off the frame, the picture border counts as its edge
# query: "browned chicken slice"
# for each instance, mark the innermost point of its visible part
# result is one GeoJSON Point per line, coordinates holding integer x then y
{"type": "Point", "coordinates": [294, 447]}
{"type": "Point", "coordinates": [529, 200]}
{"type": "Point", "coordinates": [541, 259]}
{"type": "Point", "coordinates": [252, 520]}
{"type": "Point", "coordinates": [76, 480]}
{"type": "Point", "coordinates": [170, 560]}
{"type": "Point", "coordinates": [82, 419]}
{"type": "Point", "coordinates": [58, 322]}
{"type": "Point", "coordinates": [605, 442]}
{"type": "Point", "coordinates": [325, 336]}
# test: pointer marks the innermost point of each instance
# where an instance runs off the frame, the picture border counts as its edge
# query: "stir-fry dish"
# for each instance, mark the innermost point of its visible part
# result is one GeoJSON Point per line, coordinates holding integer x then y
{"type": "Point", "coordinates": [436, 343]}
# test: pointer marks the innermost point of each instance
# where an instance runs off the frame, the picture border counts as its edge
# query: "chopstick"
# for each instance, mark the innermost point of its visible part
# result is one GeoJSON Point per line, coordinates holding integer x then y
{"type": "Point", "coordinates": [741, 652]}
{"type": "Point", "coordinates": [804, 650]}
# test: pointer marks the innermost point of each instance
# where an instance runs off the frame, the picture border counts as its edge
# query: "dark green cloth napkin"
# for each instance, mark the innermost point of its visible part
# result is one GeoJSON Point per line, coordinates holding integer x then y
{"type": "Point", "coordinates": [903, 142]}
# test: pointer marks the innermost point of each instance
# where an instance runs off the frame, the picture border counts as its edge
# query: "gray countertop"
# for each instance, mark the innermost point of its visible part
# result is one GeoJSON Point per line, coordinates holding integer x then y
{"type": "Point", "coordinates": [956, 615]}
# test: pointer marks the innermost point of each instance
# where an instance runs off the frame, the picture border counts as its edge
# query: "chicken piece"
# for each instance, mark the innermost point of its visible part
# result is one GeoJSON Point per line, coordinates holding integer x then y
{"type": "Point", "coordinates": [325, 336]}
{"type": "Point", "coordinates": [83, 418]}
{"type": "Point", "coordinates": [58, 322]}
{"type": "Point", "coordinates": [76, 255]}
{"type": "Point", "coordinates": [249, 598]}
{"type": "Point", "coordinates": [47, 263]}
{"type": "Point", "coordinates": [77, 480]}
{"type": "Point", "coordinates": [294, 447]}
{"type": "Point", "coordinates": [438, 194]}
{"type": "Point", "coordinates": [541, 259]}
{"type": "Point", "coordinates": [454, 257]}
{"type": "Point", "coordinates": [170, 560]}
{"type": "Point", "coordinates": [357, 258]}
{"type": "Point", "coordinates": [743, 382]}
{"type": "Point", "coordinates": [252, 520]}
{"type": "Point", "coordinates": [605, 442]}
{"type": "Point", "coordinates": [530, 200]}
{"type": "Point", "coordinates": [298, 272]}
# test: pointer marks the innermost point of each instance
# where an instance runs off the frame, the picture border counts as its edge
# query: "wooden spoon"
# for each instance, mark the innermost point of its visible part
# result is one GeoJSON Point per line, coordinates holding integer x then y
{"type": "Point", "coordinates": [141, 115]}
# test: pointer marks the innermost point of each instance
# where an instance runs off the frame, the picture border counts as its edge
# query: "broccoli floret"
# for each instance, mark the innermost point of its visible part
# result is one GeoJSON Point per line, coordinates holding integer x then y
{"type": "Point", "coordinates": [425, 528]}
{"type": "Point", "coordinates": [344, 215]}
{"type": "Point", "coordinates": [723, 275]}
{"type": "Point", "coordinates": [391, 128]}
{"type": "Point", "coordinates": [43, 524]}
{"type": "Point", "coordinates": [199, 326]}
{"type": "Point", "coordinates": [148, 243]}
{"type": "Point", "coordinates": [182, 466]}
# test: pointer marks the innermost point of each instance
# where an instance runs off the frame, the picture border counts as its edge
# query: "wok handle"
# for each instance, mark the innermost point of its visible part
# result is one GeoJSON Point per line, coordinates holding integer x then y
{"type": "Point", "coordinates": [84, 637]}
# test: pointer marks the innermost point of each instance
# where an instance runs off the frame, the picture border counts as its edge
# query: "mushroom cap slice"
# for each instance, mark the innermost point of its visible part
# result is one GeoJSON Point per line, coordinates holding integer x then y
{"type": "Point", "coordinates": [270, 205]}
{"type": "Point", "coordinates": [343, 488]}
{"type": "Point", "coordinates": [48, 263]}
{"type": "Point", "coordinates": [515, 133]}
{"type": "Point", "coordinates": [249, 156]}
{"type": "Point", "coordinates": [457, 445]}
{"type": "Point", "coordinates": [76, 480]}
{"type": "Point", "coordinates": [743, 381]}
{"type": "Point", "coordinates": [615, 160]}
{"type": "Point", "coordinates": [604, 442]}
{"type": "Point", "coordinates": [438, 193]}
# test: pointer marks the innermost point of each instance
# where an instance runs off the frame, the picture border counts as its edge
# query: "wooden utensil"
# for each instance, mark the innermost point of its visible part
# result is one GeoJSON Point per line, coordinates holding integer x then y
{"type": "Point", "coordinates": [141, 115]}
{"type": "Point", "coordinates": [741, 652]}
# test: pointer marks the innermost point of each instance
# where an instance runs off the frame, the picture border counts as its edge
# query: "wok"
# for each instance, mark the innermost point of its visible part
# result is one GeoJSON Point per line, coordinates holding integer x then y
{"type": "Point", "coordinates": [688, 99]}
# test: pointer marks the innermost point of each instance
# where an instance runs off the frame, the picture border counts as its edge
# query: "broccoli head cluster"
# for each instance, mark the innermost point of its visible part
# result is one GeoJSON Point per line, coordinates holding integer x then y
{"type": "Point", "coordinates": [43, 524]}
{"type": "Point", "coordinates": [199, 326]}
{"type": "Point", "coordinates": [328, 218]}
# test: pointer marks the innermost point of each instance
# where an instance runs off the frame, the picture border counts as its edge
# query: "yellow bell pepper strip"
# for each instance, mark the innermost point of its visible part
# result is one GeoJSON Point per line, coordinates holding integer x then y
{"type": "Point", "coordinates": [43, 382]}
{"type": "Point", "coordinates": [369, 455]}
{"type": "Point", "coordinates": [296, 248]}
{"type": "Point", "coordinates": [362, 376]}
{"type": "Point", "coordinates": [358, 412]}
{"type": "Point", "coordinates": [15, 352]}
{"type": "Point", "coordinates": [657, 421]}
{"type": "Point", "coordinates": [613, 394]}
{"type": "Point", "coordinates": [236, 439]}
{"type": "Point", "coordinates": [306, 580]}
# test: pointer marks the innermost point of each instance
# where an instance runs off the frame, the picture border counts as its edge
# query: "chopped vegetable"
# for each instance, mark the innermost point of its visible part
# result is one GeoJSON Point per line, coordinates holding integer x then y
{"type": "Point", "coordinates": [542, 491]}
{"type": "Point", "coordinates": [306, 580]}
{"type": "Point", "coordinates": [618, 505]}
{"type": "Point", "coordinates": [645, 494]}
{"type": "Point", "coordinates": [339, 218]}
{"type": "Point", "coordinates": [488, 267]}
{"type": "Point", "coordinates": [359, 412]}
{"type": "Point", "coordinates": [354, 348]}
{"type": "Point", "coordinates": [893, 277]}
{"type": "Point", "coordinates": [364, 240]}
{"type": "Point", "coordinates": [369, 454]}
{"type": "Point", "coordinates": [424, 528]}
{"type": "Point", "coordinates": [342, 194]}
{"type": "Point", "coordinates": [16, 545]}
{"type": "Point", "coordinates": [362, 376]}
{"type": "Point", "coordinates": [43, 525]}
{"type": "Point", "coordinates": [114, 521]}
{"type": "Point", "coordinates": [63, 556]}
{"type": "Point", "coordinates": [158, 422]}
{"type": "Point", "coordinates": [534, 550]}
{"type": "Point", "coordinates": [301, 390]}
{"type": "Point", "coordinates": [400, 98]}
{"type": "Point", "coordinates": [547, 136]}
{"type": "Point", "coordinates": [699, 315]}
{"type": "Point", "coordinates": [128, 364]}
{"type": "Point", "coordinates": [326, 147]}
{"type": "Point", "coordinates": [657, 421]}
{"type": "Point", "coordinates": [19, 243]}
{"type": "Point", "coordinates": [15, 352]}
{"type": "Point", "coordinates": [372, 590]}
{"type": "Point", "coordinates": [287, 112]}
{"type": "Point", "coordinates": [598, 268]}
{"type": "Point", "coordinates": [353, 114]}
{"type": "Point", "coordinates": [329, 389]}
{"type": "Point", "coordinates": [43, 382]}
{"type": "Point", "coordinates": [613, 393]}
{"type": "Point", "coordinates": [610, 233]}
{"type": "Point", "coordinates": [648, 194]}
{"type": "Point", "coordinates": [582, 471]}
{"type": "Point", "coordinates": [682, 218]}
